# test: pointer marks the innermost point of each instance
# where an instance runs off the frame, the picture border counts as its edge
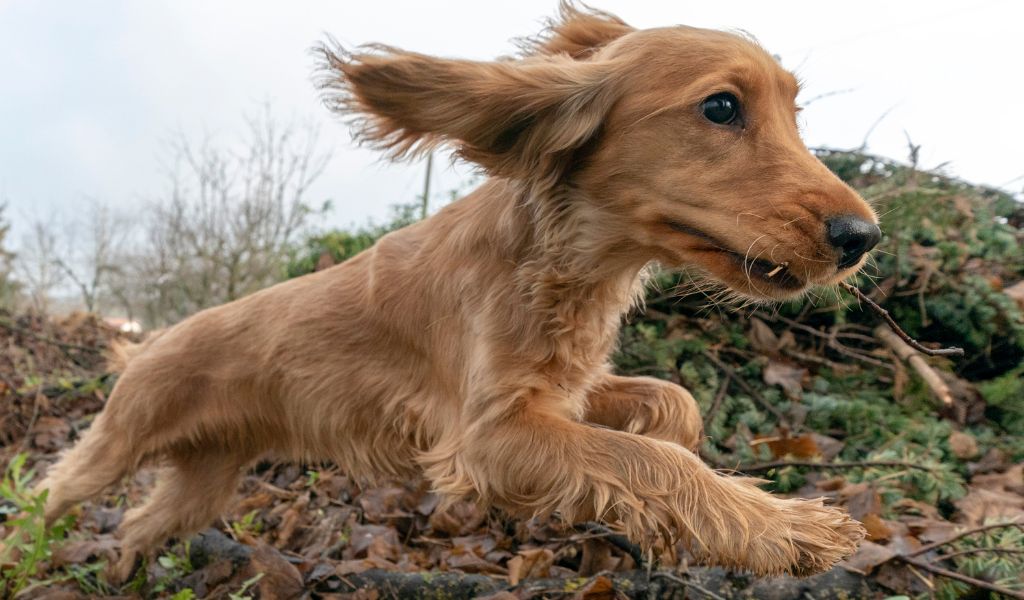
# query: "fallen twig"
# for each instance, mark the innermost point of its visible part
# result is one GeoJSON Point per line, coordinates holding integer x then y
{"type": "Point", "coordinates": [746, 387]}
{"type": "Point", "coordinates": [687, 584]}
{"type": "Point", "coordinates": [759, 467]}
{"type": "Point", "coordinates": [896, 328]}
{"type": "Point", "coordinates": [905, 353]}
{"type": "Point", "coordinates": [978, 583]}
{"type": "Point", "coordinates": [967, 532]}
{"type": "Point", "coordinates": [717, 403]}
{"type": "Point", "coordinates": [834, 344]}
{"type": "Point", "coordinates": [818, 360]}
{"type": "Point", "coordinates": [831, 338]}
{"type": "Point", "coordinates": [618, 540]}
{"type": "Point", "coordinates": [980, 551]}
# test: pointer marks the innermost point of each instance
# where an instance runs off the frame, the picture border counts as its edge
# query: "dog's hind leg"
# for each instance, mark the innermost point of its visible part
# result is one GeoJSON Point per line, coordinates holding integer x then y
{"type": "Point", "coordinates": [647, 406]}
{"type": "Point", "coordinates": [190, 493]}
{"type": "Point", "coordinates": [97, 461]}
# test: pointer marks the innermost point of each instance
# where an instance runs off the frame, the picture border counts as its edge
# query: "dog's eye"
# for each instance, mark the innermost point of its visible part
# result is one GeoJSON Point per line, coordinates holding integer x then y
{"type": "Point", "coordinates": [723, 108]}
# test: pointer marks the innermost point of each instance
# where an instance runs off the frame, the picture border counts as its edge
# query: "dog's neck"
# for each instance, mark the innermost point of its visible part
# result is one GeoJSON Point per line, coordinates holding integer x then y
{"type": "Point", "coordinates": [573, 279]}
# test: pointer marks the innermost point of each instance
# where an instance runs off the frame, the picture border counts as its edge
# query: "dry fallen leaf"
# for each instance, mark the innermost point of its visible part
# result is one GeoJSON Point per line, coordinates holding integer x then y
{"type": "Point", "coordinates": [254, 501]}
{"type": "Point", "coordinates": [475, 544]}
{"type": "Point", "coordinates": [861, 499]}
{"type": "Point", "coordinates": [596, 557]}
{"type": "Point", "coordinates": [802, 446]}
{"type": "Point", "coordinates": [211, 576]}
{"type": "Point", "coordinates": [291, 519]}
{"type": "Point", "coordinates": [829, 447]}
{"type": "Point", "coordinates": [471, 563]}
{"type": "Point", "coordinates": [904, 543]}
{"type": "Point", "coordinates": [993, 496]}
{"type": "Point", "coordinates": [50, 433]}
{"type": "Point", "coordinates": [380, 504]}
{"type": "Point", "coordinates": [280, 579]}
{"type": "Point", "coordinates": [762, 338]}
{"type": "Point", "coordinates": [876, 528]}
{"type": "Point", "coordinates": [910, 582]}
{"type": "Point", "coordinates": [350, 567]}
{"type": "Point", "coordinates": [916, 508]}
{"type": "Point", "coordinates": [459, 519]}
{"type": "Point", "coordinates": [981, 505]}
{"type": "Point", "coordinates": [529, 564]}
{"type": "Point", "coordinates": [79, 551]}
{"type": "Point", "coordinates": [373, 541]}
{"type": "Point", "coordinates": [600, 588]}
{"type": "Point", "coordinates": [993, 460]}
{"type": "Point", "coordinates": [786, 376]}
{"type": "Point", "coordinates": [1016, 291]}
{"type": "Point", "coordinates": [868, 556]}
{"type": "Point", "coordinates": [1010, 480]}
{"type": "Point", "coordinates": [963, 445]}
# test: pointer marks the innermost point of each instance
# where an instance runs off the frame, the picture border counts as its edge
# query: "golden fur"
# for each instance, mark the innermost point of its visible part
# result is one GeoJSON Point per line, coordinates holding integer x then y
{"type": "Point", "coordinates": [473, 347]}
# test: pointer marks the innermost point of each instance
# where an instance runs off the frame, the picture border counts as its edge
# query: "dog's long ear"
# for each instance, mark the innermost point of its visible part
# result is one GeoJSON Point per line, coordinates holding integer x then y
{"type": "Point", "coordinates": [578, 31]}
{"type": "Point", "coordinates": [518, 119]}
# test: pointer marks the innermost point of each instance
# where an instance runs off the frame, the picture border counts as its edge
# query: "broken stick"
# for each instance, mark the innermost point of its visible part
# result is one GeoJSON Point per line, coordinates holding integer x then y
{"type": "Point", "coordinates": [907, 354]}
{"type": "Point", "coordinates": [896, 328]}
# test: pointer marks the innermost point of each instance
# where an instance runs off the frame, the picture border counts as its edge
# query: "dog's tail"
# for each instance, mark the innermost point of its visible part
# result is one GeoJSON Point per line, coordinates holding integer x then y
{"type": "Point", "coordinates": [121, 352]}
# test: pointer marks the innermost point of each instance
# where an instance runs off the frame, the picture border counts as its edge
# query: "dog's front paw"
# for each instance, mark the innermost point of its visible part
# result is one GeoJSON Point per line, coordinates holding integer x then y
{"type": "Point", "coordinates": [811, 539]}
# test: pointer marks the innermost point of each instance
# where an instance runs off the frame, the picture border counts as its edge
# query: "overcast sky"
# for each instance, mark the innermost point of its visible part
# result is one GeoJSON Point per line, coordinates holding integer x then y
{"type": "Point", "coordinates": [92, 90]}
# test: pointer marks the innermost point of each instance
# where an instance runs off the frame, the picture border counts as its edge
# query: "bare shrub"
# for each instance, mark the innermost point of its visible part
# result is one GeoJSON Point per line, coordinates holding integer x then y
{"type": "Point", "coordinates": [224, 228]}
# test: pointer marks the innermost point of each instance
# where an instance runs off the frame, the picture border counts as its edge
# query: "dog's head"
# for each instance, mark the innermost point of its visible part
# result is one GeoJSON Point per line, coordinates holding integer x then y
{"type": "Point", "coordinates": [680, 143]}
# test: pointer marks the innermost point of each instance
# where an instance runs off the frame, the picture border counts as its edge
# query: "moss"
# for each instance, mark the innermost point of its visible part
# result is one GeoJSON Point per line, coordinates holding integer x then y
{"type": "Point", "coordinates": [571, 585]}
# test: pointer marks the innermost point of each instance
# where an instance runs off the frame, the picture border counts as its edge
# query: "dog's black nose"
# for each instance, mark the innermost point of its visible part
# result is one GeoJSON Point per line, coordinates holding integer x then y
{"type": "Point", "coordinates": [853, 236]}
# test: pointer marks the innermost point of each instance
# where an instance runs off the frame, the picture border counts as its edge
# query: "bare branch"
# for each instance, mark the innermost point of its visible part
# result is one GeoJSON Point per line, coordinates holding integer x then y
{"type": "Point", "coordinates": [896, 328]}
{"type": "Point", "coordinates": [231, 213]}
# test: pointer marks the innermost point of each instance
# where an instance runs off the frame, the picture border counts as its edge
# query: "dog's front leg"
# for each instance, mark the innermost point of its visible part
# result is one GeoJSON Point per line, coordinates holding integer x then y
{"type": "Point", "coordinates": [526, 457]}
{"type": "Point", "coordinates": [648, 406]}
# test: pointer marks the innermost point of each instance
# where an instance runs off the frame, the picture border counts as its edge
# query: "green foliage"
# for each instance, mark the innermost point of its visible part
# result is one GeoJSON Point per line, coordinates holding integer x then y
{"type": "Point", "coordinates": [176, 565]}
{"type": "Point", "coordinates": [939, 483]}
{"type": "Point", "coordinates": [27, 552]}
{"type": "Point", "coordinates": [89, 578]}
{"type": "Point", "coordinates": [947, 251]}
{"type": "Point", "coordinates": [246, 586]}
{"type": "Point", "coordinates": [340, 244]}
{"type": "Point", "coordinates": [248, 524]}
{"type": "Point", "coordinates": [996, 555]}
{"type": "Point", "coordinates": [644, 350]}
{"type": "Point", "coordinates": [1005, 398]}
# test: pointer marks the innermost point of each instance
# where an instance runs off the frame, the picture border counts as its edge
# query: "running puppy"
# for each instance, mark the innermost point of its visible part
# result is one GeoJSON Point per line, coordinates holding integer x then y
{"type": "Point", "coordinates": [473, 347]}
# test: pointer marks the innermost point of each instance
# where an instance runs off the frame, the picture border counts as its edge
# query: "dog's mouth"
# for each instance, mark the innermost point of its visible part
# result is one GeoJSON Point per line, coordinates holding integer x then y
{"type": "Point", "coordinates": [776, 275]}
